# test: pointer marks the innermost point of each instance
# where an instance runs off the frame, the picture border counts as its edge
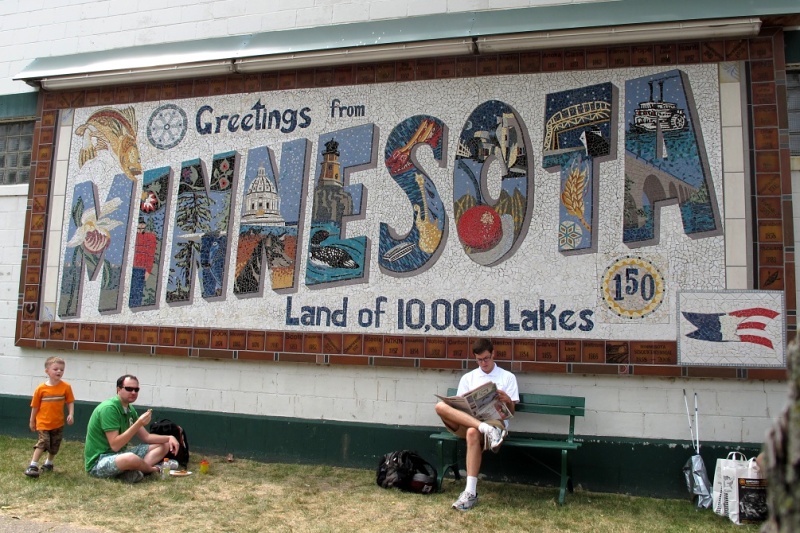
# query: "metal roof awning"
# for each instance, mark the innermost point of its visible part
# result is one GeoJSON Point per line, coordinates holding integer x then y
{"type": "Point", "coordinates": [451, 34]}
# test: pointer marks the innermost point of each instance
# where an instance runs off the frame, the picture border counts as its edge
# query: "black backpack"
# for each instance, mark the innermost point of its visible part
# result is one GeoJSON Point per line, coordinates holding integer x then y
{"type": "Point", "coordinates": [406, 471]}
{"type": "Point", "coordinates": [166, 426]}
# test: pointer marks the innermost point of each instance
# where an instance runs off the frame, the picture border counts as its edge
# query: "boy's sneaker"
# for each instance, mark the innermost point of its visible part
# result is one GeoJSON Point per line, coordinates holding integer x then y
{"type": "Point", "coordinates": [47, 467]}
{"type": "Point", "coordinates": [32, 471]}
{"type": "Point", "coordinates": [495, 438]}
{"type": "Point", "coordinates": [466, 501]}
{"type": "Point", "coordinates": [131, 476]}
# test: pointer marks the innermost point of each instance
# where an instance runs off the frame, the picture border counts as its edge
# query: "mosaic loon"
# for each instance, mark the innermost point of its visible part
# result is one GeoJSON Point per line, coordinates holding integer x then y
{"type": "Point", "coordinates": [329, 256]}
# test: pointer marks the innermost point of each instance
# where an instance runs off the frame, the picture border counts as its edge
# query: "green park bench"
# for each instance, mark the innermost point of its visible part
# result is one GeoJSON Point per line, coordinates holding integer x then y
{"type": "Point", "coordinates": [540, 404]}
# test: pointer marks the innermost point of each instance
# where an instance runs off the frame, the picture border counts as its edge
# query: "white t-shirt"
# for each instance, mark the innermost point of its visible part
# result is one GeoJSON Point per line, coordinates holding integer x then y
{"type": "Point", "coordinates": [505, 381]}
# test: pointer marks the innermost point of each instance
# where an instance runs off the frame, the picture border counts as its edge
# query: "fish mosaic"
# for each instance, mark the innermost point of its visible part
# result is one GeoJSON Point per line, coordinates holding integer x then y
{"type": "Point", "coordinates": [259, 210]}
{"type": "Point", "coordinates": [116, 131]}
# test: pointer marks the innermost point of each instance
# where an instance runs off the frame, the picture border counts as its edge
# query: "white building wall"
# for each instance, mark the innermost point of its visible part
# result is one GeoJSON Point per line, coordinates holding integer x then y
{"type": "Point", "coordinates": [43, 28]}
{"type": "Point", "coordinates": [617, 406]}
{"type": "Point", "coordinates": [620, 406]}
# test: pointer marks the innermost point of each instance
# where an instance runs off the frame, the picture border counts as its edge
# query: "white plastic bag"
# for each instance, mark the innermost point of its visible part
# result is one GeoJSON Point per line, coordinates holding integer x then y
{"type": "Point", "coordinates": [725, 482]}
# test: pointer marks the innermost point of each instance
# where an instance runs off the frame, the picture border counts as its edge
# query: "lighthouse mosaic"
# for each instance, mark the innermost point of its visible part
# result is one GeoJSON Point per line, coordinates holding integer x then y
{"type": "Point", "coordinates": [540, 205]}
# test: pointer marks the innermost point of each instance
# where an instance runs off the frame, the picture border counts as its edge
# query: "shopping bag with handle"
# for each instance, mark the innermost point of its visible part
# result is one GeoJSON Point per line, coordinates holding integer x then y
{"type": "Point", "coordinates": [750, 489]}
{"type": "Point", "coordinates": [724, 480]}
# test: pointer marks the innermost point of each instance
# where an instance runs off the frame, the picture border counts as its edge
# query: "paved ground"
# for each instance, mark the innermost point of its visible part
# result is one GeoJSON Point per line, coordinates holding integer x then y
{"type": "Point", "coordinates": [9, 524]}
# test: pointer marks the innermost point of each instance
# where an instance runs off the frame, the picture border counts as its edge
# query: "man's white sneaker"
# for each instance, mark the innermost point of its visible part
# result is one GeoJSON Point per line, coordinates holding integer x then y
{"type": "Point", "coordinates": [465, 501]}
{"type": "Point", "coordinates": [495, 437]}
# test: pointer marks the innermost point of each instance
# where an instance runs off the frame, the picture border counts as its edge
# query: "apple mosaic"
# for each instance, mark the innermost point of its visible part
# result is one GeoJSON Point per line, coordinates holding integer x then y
{"type": "Point", "coordinates": [544, 205]}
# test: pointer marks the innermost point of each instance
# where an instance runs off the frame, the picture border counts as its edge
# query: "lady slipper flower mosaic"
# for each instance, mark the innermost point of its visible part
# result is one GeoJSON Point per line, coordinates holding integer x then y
{"type": "Point", "coordinates": [94, 233]}
{"type": "Point", "coordinates": [96, 245]}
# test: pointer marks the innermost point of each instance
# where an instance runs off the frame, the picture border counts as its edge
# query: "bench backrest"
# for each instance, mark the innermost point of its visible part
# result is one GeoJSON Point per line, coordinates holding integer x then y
{"type": "Point", "coordinates": [548, 404]}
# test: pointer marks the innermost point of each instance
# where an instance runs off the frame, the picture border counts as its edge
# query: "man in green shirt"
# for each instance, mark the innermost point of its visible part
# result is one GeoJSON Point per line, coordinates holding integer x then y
{"type": "Point", "coordinates": [112, 426]}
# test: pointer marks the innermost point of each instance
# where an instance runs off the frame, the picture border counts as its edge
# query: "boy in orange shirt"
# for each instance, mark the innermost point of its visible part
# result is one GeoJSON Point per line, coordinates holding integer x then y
{"type": "Point", "coordinates": [47, 414]}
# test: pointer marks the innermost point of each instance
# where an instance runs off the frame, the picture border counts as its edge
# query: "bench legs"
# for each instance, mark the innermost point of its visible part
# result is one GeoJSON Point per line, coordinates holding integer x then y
{"type": "Point", "coordinates": [566, 474]}
{"type": "Point", "coordinates": [449, 461]}
{"type": "Point", "coordinates": [444, 465]}
{"type": "Point", "coordinates": [566, 479]}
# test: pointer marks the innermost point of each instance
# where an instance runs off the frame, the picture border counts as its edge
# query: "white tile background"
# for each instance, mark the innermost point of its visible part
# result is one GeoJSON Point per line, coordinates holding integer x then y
{"type": "Point", "coordinates": [535, 271]}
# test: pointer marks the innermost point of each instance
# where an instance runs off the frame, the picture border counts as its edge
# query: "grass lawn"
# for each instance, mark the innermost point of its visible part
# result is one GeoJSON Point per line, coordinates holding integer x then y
{"type": "Point", "coordinates": [248, 496]}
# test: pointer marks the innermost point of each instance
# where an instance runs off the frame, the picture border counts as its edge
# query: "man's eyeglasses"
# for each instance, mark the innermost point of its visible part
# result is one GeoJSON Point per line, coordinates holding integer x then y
{"type": "Point", "coordinates": [131, 389]}
{"type": "Point", "coordinates": [483, 359]}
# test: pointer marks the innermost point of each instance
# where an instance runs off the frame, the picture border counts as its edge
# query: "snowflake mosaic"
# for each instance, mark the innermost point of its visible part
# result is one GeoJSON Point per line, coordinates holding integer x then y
{"type": "Point", "coordinates": [490, 205]}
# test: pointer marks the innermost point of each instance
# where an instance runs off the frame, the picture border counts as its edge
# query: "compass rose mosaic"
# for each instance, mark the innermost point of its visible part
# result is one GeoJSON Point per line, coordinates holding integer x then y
{"type": "Point", "coordinates": [166, 127]}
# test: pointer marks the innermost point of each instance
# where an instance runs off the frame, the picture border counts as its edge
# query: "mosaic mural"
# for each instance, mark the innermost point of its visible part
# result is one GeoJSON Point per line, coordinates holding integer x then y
{"type": "Point", "coordinates": [202, 222]}
{"type": "Point", "coordinates": [150, 236]}
{"type": "Point", "coordinates": [411, 252]}
{"type": "Point", "coordinates": [489, 230]}
{"type": "Point", "coordinates": [265, 211]}
{"type": "Point", "coordinates": [731, 328]}
{"type": "Point", "coordinates": [665, 159]}
{"type": "Point", "coordinates": [270, 219]}
{"type": "Point", "coordinates": [579, 133]}
{"type": "Point", "coordinates": [331, 257]}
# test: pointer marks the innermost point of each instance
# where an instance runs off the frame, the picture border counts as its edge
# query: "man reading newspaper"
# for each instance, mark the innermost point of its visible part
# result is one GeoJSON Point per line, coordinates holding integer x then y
{"type": "Point", "coordinates": [490, 426]}
{"type": "Point", "coordinates": [483, 403]}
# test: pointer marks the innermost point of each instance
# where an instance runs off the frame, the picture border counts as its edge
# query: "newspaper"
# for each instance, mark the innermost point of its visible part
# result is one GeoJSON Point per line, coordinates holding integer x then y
{"type": "Point", "coordinates": [482, 403]}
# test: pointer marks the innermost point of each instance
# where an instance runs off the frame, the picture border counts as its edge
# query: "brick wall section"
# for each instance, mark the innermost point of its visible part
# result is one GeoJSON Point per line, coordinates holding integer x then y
{"type": "Point", "coordinates": [628, 358]}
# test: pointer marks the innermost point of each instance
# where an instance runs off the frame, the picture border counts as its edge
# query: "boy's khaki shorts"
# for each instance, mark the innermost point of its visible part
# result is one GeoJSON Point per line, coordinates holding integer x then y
{"type": "Point", "coordinates": [50, 440]}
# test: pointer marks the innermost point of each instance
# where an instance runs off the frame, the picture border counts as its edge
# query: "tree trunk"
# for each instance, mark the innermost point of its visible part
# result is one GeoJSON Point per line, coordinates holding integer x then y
{"type": "Point", "coordinates": [782, 457]}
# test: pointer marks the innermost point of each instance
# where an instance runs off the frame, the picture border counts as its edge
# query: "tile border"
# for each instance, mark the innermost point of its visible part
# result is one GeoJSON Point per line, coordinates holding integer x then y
{"type": "Point", "coordinates": [769, 177]}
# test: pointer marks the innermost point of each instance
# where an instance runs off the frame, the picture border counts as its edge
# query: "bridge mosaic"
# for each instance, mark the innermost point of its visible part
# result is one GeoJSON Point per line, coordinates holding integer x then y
{"type": "Point", "coordinates": [266, 211]}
